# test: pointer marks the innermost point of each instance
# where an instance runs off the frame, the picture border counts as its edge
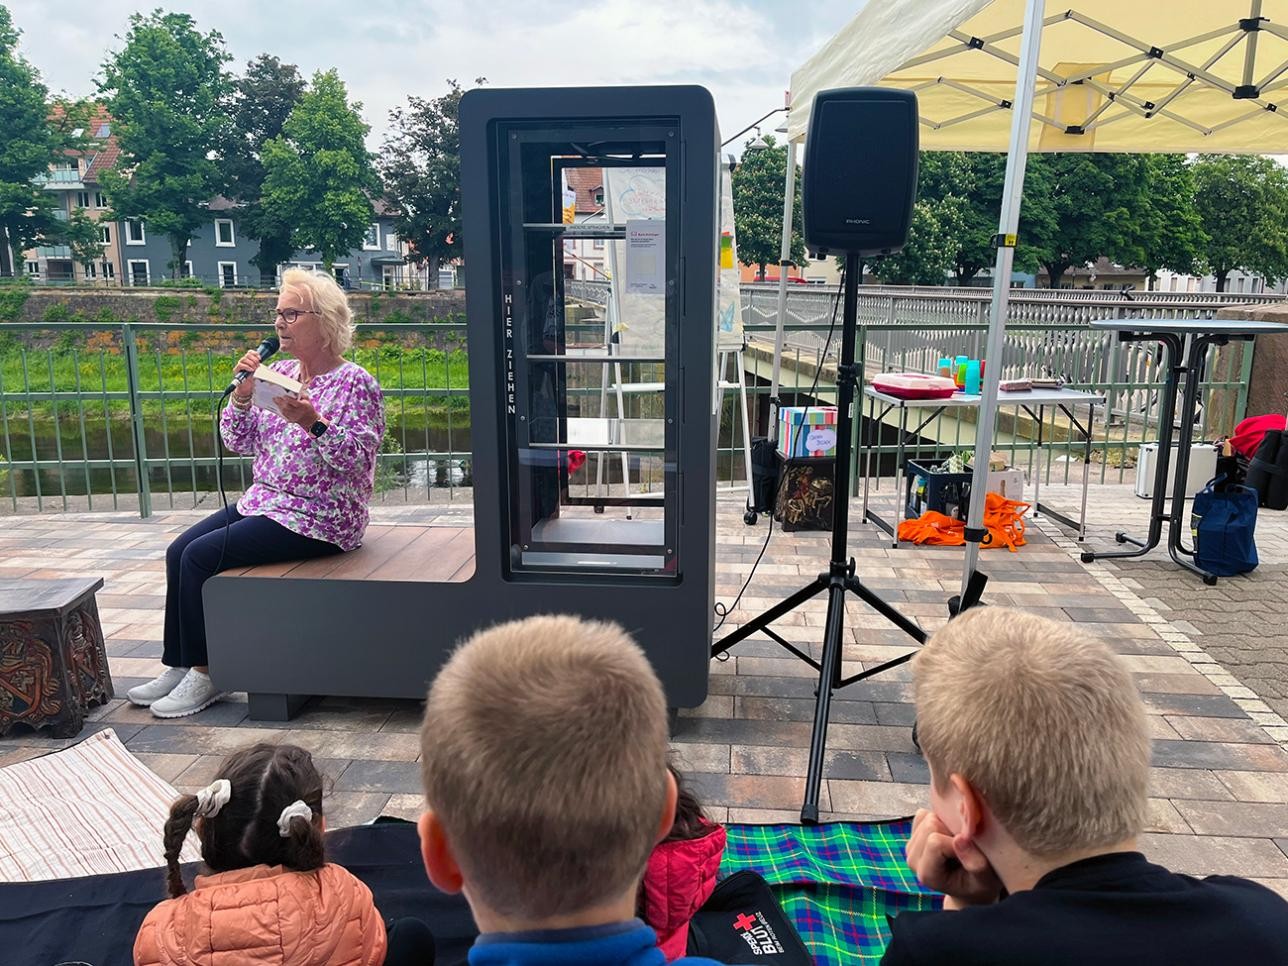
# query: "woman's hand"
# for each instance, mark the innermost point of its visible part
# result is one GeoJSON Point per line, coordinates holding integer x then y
{"type": "Point", "coordinates": [961, 872]}
{"type": "Point", "coordinates": [299, 411]}
{"type": "Point", "coordinates": [247, 364]}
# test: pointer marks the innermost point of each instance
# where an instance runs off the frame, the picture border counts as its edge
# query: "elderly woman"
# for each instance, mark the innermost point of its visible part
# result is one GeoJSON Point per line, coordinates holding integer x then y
{"type": "Point", "coordinates": [314, 469]}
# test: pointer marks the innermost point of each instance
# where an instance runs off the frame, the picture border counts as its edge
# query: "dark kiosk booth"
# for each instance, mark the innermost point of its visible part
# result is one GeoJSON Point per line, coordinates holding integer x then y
{"type": "Point", "coordinates": [593, 417]}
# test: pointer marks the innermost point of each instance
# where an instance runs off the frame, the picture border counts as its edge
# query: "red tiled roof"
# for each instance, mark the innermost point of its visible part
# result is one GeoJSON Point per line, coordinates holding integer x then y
{"type": "Point", "coordinates": [585, 182]}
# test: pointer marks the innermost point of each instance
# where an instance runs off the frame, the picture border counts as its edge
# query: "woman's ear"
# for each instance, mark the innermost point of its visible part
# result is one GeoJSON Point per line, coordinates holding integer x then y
{"type": "Point", "coordinates": [668, 806]}
{"type": "Point", "coordinates": [440, 864]}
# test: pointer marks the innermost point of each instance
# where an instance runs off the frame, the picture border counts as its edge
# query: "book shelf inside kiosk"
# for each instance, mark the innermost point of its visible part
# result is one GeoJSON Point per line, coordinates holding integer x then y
{"type": "Point", "coordinates": [591, 372]}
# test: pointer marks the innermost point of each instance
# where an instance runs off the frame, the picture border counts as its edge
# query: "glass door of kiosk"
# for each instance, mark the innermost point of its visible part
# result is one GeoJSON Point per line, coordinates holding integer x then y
{"type": "Point", "coordinates": [589, 250]}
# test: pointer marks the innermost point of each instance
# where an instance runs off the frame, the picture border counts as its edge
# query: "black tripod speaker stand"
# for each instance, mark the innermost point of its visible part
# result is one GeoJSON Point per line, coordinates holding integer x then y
{"type": "Point", "coordinates": [840, 578]}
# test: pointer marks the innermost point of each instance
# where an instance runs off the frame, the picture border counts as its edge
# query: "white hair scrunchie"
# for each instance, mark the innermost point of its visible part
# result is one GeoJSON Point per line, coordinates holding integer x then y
{"type": "Point", "coordinates": [213, 797]}
{"type": "Point", "coordinates": [296, 808]}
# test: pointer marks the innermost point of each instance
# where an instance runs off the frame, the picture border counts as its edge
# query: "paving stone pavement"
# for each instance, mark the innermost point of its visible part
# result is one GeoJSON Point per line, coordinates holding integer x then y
{"type": "Point", "coordinates": [1220, 778]}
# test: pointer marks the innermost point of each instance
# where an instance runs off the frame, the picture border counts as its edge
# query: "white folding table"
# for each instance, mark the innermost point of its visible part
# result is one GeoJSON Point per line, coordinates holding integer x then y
{"type": "Point", "coordinates": [1032, 401]}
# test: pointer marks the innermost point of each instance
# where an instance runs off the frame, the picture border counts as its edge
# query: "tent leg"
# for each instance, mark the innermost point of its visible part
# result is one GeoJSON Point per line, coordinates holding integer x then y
{"type": "Point", "coordinates": [1008, 224]}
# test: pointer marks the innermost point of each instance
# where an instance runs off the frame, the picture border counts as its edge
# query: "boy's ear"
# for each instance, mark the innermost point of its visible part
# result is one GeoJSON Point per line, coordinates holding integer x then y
{"type": "Point", "coordinates": [440, 864]}
{"type": "Point", "coordinates": [668, 807]}
{"type": "Point", "coordinates": [970, 807]}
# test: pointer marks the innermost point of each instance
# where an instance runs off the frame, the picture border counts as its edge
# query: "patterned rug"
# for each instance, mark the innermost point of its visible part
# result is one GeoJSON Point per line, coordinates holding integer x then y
{"type": "Point", "coordinates": [88, 810]}
{"type": "Point", "coordinates": [837, 882]}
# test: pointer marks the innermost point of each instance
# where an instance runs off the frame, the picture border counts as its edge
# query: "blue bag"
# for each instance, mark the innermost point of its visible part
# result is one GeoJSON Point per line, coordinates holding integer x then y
{"type": "Point", "coordinates": [1223, 521]}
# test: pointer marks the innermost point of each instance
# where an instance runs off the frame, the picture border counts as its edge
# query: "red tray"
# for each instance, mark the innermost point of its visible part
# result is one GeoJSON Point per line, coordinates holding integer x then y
{"type": "Point", "coordinates": [914, 385]}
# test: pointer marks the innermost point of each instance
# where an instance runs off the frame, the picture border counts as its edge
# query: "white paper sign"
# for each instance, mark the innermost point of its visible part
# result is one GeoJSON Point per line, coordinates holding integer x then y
{"type": "Point", "coordinates": [646, 257]}
{"type": "Point", "coordinates": [820, 439]}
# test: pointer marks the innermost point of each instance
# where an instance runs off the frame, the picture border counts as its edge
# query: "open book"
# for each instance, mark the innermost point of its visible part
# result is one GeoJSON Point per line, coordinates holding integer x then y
{"type": "Point", "coordinates": [271, 385]}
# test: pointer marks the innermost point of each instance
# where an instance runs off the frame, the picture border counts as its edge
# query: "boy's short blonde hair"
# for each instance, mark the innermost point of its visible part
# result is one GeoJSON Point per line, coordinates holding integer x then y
{"type": "Point", "coordinates": [544, 757]}
{"type": "Point", "coordinates": [1043, 720]}
{"type": "Point", "coordinates": [323, 295]}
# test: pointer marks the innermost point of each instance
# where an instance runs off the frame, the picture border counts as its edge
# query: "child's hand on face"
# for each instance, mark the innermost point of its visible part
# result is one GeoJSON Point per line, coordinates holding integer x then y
{"type": "Point", "coordinates": [946, 864]}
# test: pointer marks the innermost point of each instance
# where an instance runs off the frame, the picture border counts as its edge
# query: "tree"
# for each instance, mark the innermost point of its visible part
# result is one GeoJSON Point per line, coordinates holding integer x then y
{"type": "Point", "coordinates": [1171, 230]}
{"type": "Point", "coordinates": [35, 134]}
{"type": "Point", "coordinates": [976, 179]}
{"type": "Point", "coordinates": [758, 184]}
{"type": "Point", "coordinates": [420, 164]}
{"type": "Point", "coordinates": [1080, 207]}
{"type": "Point", "coordinates": [167, 92]}
{"type": "Point", "coordinates": [1242, 202]}
{"type": "Point", "coordinates": [262, 100]}
{"type": "Point", "coordinates": [318, 175]}
{"type": "Point", "coordinates": [932, 247]}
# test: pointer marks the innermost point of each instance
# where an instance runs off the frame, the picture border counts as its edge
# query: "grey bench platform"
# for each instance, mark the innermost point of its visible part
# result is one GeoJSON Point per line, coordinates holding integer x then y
{"type": "Point", "coordinates": [379, 621]}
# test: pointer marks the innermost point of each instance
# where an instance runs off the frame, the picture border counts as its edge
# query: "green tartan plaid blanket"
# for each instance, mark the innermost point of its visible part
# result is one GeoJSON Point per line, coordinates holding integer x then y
{"type": "Point", "coordinates": [837, 882]}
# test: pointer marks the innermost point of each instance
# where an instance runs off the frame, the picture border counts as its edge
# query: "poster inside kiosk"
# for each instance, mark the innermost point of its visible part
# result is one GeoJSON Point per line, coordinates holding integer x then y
{"type": "Point", "coordinates": [646, 257]}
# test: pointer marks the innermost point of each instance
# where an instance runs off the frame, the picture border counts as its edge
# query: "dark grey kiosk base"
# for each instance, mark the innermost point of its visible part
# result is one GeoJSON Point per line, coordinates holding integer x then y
{"type": "Point", "coordinates": [380, 621]}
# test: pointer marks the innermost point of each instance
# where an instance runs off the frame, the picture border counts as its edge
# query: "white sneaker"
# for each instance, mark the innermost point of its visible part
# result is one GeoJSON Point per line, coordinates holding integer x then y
{"type": "Point", "coordinates": [144, 694]}
{"type": "Point", "coordinates": [194, 692]}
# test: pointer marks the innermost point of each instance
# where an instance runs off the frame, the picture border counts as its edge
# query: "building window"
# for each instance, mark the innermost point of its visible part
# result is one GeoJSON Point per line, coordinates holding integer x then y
{"type": "Point", "coordinates": [134, 232]}
{"type": "Point", "coordinates": [599, 197]}
{"type": "Point", "coordinates": [82, 199]}
{"type": "Point", "coordinates": [371, 243]}
{"type": "Point", "coordinates": [224, 237]}
{"type": "Point", "coordinates": [100, 200]}
{"type": "Point", "coordinates": [105, 234]}
{"type": "Point", "coordinates": [140, 273]}
{"type": "Point", "coordinates": [597, 244]}
{"type": "Point", "coordinates": [227, 274]}
{"type": "Point", "coordinates": [33, 268]}
{"type": "Point", "coordinates": [90, 270]}
{"type": "Point", "coordinates": [187, 269]}
{"type": "Point", "coordinates": [391, 240]}
{"type": "Point", "coordinates": [109, 270]}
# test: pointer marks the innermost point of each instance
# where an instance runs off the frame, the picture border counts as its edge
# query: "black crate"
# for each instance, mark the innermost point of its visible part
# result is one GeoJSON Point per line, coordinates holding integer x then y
{"type": "Point", "coordinates": [945, 492]}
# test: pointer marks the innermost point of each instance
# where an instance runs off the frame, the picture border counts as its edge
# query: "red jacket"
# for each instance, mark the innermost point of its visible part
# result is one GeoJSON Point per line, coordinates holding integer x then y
{"type": "Point", "coordinates": [1249, 433]}
{"type": "Point", "coordinates": [680, 877]}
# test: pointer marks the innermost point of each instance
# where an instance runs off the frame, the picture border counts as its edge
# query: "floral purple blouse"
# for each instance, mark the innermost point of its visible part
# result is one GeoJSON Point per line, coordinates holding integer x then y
{"type": "Point", "coordinates": [320, 487]}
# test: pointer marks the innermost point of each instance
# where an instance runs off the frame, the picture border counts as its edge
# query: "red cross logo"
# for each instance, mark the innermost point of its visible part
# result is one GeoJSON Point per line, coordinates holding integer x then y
{"type": "Point", "coordinates": [744, 922]}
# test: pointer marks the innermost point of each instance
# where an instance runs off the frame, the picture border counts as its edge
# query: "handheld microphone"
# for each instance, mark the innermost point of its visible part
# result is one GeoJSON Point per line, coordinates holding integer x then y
{"type": "Point", "coordinates": [265, 350]}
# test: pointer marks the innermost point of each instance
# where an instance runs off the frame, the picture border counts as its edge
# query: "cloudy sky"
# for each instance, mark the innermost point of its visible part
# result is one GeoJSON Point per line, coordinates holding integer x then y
{"type": "Point", "coordinates": [743, 51]}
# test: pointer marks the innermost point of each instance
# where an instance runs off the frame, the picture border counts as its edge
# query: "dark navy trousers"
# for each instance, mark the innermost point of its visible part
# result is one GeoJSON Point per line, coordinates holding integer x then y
{"type": "Point", "coordinates": [200, 552]}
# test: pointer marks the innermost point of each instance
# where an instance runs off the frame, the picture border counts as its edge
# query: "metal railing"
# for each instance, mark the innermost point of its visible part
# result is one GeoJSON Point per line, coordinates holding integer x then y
{"type": "Point", "coordinates": [95, 414]}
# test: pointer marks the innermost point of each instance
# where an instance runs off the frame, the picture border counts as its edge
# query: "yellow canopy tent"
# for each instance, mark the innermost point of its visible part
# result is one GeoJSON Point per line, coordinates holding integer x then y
{"type": "Point", "coordinates": [1096, 75]}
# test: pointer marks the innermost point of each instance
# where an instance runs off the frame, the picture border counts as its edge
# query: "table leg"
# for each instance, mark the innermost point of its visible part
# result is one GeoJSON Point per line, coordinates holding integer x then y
{"type": "Point", "coordinates": [900, 507]}
{"type": "Point", "coordinates": [1086, 471]}
{"type": "Point", "coordinates": [1167, 416]}
{"type": "Point", "coordinates": [1037, 478]}
{"type": "Point", "coordinates": [868, 443]}
{"type": "Point", "coordinates": [1189, 405]}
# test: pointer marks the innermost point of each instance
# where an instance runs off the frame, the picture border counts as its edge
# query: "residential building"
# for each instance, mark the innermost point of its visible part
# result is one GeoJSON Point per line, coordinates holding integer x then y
{"type": "Point", "coordinates": [74, 180]}
{"type": "Point", "coordinates": [587, 258]}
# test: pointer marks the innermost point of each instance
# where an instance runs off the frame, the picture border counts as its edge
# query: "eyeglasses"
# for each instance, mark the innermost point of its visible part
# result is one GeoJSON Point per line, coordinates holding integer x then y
{"type": "Point", "coordinates": [291, 316]}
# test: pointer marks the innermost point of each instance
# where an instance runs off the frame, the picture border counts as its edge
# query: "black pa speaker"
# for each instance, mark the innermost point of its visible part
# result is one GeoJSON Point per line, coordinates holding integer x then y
{"type": "Point", "coordinates": [860, 170]}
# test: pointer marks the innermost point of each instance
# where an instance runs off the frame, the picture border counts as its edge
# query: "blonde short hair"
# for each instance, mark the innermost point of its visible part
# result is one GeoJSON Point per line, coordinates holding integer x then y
{"type": "Point", "coordinates": [544, 756]}
{"type": "Point", "coordinates": [1043, 720]}
{"type": "Point", "coordinates": [323, 295]}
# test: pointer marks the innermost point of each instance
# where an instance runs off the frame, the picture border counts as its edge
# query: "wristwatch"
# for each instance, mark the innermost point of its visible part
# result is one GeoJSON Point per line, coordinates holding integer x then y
{"type": "Point", "coordinates": [317, 429]}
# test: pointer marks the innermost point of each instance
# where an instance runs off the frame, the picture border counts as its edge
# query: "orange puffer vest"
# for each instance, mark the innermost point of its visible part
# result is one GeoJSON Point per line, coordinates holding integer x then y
{"type": "Point", "coordinates": [266, 915]}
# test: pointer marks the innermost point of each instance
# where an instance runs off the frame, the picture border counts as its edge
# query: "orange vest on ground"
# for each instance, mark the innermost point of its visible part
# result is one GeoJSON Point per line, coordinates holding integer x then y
{"type": "Point", "coordinates": [1003, 519]}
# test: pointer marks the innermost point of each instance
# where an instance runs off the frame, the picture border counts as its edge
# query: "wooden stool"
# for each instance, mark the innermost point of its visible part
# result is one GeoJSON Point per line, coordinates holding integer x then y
{"type": "Point", "coordinates": [53, 665]}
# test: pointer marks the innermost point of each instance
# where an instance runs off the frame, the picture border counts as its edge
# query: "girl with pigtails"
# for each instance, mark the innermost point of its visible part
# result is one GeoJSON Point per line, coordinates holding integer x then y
{"type": "Point", "coordinates": [271, 897]}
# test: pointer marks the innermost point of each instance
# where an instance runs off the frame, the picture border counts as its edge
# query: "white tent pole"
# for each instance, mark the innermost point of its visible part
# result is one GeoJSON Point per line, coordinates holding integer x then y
{"type": "Point", "coordinates": [1008, 225]}
{"type": "Point", "coordinates": [784, 257]}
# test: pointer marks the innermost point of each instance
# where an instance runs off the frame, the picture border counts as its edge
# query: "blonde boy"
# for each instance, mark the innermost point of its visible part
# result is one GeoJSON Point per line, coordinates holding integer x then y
{"type": "Point", "coordinates": [544, 759]}
{"type": "Point", "coordinates": [1039, 754]}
